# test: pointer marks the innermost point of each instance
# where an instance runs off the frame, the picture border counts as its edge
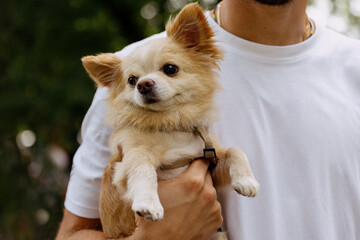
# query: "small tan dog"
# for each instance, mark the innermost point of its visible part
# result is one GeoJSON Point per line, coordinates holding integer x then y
{"type": "Point", "coordinates": [161, 106]}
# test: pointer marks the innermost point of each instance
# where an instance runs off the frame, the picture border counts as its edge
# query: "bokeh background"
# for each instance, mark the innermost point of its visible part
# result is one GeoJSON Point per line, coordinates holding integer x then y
{"type": "Point", "coordinates": [44, 91]}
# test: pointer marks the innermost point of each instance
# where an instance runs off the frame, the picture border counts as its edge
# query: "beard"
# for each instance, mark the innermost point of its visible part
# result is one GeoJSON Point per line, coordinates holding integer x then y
{"type": "Point", "coordinates": [274, 2]}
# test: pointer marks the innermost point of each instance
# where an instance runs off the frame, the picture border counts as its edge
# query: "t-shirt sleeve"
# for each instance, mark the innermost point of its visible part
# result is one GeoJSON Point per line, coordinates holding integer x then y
{"type": "Point", "coordinates": [82, 197]}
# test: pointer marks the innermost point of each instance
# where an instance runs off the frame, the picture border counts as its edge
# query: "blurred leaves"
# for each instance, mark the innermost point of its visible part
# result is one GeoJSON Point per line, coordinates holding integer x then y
{"type": "Point", "coordinates": [350, 11]}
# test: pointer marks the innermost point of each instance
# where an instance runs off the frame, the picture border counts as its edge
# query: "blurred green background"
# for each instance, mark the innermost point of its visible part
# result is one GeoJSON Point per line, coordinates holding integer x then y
{"type": "Point", "coordinates": [44, 91]}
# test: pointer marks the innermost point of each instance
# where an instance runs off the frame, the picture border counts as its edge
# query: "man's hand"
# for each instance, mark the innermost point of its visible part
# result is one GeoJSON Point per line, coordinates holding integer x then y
{"type": "Point", "coordinates": [191, 207]}
{"type": "Point", "coordinates": [192, 211]}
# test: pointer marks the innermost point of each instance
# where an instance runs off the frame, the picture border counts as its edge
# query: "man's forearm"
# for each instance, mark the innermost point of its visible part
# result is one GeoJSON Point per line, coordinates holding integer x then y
{"type": "Point", "coordinates": [91, 234]}
{"type": "Point", "coordinates": [88, 234]}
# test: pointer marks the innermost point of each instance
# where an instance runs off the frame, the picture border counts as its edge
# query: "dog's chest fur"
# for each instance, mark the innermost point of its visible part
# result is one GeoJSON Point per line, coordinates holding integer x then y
{"type": "Point", "coordinates": [167, 147]}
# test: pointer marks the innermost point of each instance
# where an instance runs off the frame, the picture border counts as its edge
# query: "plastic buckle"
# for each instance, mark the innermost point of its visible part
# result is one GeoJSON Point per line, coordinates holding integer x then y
{"type": "Point", "coordinates": [209, 153]}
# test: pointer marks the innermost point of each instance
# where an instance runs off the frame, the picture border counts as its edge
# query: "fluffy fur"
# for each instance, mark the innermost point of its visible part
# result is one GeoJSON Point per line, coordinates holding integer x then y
{"type": "Point", "coordinates": [154, 114]}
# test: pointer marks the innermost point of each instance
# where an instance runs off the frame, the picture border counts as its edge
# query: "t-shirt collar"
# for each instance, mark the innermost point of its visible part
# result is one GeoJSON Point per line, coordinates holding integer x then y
{"type": "Point", "coordinates": [263, 52]}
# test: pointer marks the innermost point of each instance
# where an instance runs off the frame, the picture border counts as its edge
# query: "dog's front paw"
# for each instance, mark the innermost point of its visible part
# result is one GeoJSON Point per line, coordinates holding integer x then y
{"type": "Point", "coordinates": [150, 209]}
{"type": "Point", "coordinates": [247, 186]}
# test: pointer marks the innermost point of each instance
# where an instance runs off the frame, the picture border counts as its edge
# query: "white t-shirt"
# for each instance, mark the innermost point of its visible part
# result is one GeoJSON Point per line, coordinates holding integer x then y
{"type": "Point", "coordinates": [295, 111]}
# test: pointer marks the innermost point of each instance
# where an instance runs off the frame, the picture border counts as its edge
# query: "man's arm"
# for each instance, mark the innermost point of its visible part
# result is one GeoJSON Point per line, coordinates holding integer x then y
{"type": "Point", "coordinates": [192, 211]}
{"type": "Point", "coordinates": [74, 227]}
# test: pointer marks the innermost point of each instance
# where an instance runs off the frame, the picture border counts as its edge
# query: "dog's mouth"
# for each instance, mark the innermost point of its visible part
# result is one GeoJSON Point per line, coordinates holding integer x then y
{"type": "Point", "coordinates": [154, 102]}
{"type": "Point", "coordinates": [150, 98]}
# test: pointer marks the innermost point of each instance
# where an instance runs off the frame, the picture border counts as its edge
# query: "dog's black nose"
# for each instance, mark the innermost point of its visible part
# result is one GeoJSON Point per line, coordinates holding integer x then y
{"type": "Point", "coordinates": [145, 86]}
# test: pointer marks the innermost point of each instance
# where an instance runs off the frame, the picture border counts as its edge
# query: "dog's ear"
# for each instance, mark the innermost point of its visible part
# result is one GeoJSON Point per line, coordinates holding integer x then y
{"type": "Point", "coordinates": [103, 68]}
{"type": "Point", "coordinates": [191, 29]}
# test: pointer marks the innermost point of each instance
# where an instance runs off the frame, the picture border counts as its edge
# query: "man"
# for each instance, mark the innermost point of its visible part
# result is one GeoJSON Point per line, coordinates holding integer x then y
{"type": "Point", "coordinates": [290, 100]}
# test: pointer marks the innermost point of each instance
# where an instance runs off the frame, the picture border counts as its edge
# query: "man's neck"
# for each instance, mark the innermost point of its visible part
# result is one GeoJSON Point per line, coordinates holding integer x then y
{"type": "Point", "coordinates": [269, 25]}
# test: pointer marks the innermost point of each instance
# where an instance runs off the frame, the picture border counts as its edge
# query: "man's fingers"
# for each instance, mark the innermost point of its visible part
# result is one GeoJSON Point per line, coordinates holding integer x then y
{"type": "Point", "coordinates": [208, 178]}
{"type": "Point", "coordinates": [193, 179]}
{"type": "Point", "coordinates": [198, 168]}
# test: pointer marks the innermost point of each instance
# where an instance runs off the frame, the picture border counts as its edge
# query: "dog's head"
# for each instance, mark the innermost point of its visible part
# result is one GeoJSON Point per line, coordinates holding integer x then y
{"type": "Point", "coordinates": [165, 78]}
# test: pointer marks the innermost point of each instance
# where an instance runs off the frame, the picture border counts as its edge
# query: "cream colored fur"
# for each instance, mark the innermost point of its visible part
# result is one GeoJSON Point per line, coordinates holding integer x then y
{"type": "Point", "coordinates": [160, 132]}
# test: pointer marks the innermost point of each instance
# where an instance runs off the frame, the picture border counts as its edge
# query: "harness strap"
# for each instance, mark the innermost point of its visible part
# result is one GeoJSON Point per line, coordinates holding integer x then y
{"type": "Point", "coordinates": [178, 164]}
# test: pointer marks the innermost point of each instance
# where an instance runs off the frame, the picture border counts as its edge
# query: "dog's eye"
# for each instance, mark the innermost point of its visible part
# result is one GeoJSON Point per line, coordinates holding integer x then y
{"type": "Point", "coordinates": [132, 81]}
{"type": "Point", "coordinates": [170, 69]}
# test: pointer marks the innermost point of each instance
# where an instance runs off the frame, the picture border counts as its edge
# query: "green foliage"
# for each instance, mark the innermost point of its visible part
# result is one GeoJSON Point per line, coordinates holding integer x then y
{"type": "Point", "coordinates": [350, 11]}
